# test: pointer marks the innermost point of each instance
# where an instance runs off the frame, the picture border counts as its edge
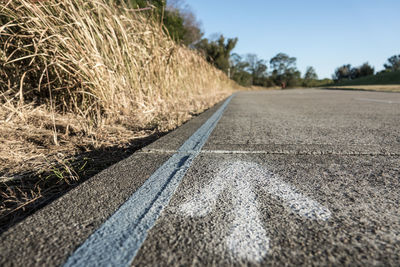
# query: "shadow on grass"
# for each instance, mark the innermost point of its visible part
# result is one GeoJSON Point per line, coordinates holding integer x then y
{"type": "Point", "coordinates": [85, 164]}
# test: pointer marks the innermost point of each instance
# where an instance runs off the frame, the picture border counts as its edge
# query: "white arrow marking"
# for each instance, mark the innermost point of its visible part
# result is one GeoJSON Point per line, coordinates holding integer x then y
{"type": "Point", "coordinates": [248, 239]}
{"type": "Point", "coordinates": [118, 240]}
{"type": "Point", "coordinates": [302, 205]}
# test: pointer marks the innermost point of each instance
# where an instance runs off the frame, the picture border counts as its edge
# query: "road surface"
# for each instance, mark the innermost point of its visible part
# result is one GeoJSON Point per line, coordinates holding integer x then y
{"type": "Point", "coordinates": [293, 177]}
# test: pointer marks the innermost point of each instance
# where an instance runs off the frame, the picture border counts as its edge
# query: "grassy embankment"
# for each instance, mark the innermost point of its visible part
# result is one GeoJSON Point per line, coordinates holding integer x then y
{"type": "Point", "coordinates": [82, 85]}
{"type": "Point", "coordinates": [389, 81]}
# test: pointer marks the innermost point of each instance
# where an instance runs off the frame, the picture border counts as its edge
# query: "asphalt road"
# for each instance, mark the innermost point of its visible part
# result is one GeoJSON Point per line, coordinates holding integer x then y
{"type": "Point", "coordinates": [294, 177]}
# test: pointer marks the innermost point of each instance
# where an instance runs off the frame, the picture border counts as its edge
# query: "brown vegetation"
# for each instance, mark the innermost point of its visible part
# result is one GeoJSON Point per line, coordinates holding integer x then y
{"type": "Point", "coordinates": [78, 76]}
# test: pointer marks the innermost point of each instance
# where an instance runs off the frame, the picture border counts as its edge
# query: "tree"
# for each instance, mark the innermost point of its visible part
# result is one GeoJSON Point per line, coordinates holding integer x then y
{"type": "Point", "coordinates": [239, 71]}
{"type": "Point", "coordinates": [284, 71]}
{"type": "Point", "coordinates": [310, 74]}
{"type": "Point", "coordinates": [191, 28]}
{"type": "Point", "coordinates": [342, 73]}
{"type": "Point", "coordinates": [362, 71]}
{"type": "Point", "coordinates": [393, 63]}
{"type": "Point", "coordinates": [282, 63]}
{"type": "Point", "coordinates": [217, 52]}
{"type": "Point", "coordinates": [258, 69]}
{"type": "Point", "coordinates": [173, 22]}
{"type": "Point", "coordinates": [366, 70]}
{"type": "Point", "coordinates": [178, 20]}
{"type": "Point", "coordinates": [310, 77]}
{"type": "Point", "coordinates": [193, 32]}
{"type": "Point", "coordinates": [346, 72]}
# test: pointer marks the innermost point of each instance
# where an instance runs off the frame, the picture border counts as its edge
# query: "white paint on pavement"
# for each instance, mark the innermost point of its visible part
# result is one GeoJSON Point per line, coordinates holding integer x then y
{"type": "Point", "coordinates": [118, 240]}
{"type": "Point", "coordinates": [299, 203]}
{"type": "Point", "coordinates": [204, 202]}
{"type": "Point", "coordinates": [248, 239]}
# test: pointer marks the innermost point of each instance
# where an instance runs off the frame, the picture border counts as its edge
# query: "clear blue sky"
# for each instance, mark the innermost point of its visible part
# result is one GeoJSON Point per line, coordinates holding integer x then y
{"type": "Point", "coordinates": [320, 33]}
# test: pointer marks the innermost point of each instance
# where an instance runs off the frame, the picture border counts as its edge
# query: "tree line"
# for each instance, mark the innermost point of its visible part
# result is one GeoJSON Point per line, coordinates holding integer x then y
{"type": "Point", "coordinates": [250, 70]}
{"type": "Point", "coordinates": [183, 27]}
{"type": "Point", "coordinates": [347, 72]}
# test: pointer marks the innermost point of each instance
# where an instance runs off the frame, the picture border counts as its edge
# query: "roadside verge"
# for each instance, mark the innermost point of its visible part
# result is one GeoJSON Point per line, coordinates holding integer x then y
{"type": "Point", "coordinates": [68, 221]}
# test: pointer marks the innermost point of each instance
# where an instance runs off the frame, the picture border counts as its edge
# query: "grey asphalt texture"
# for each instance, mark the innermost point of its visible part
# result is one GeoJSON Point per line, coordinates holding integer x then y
{"type": "Point", "coordinates": [338, 148]}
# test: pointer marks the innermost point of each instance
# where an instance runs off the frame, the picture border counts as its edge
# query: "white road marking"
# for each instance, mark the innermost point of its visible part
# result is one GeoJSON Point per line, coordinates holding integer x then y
{"type": "Point", "coordinates": [118, 240]}
{"type": "Point", "coordinates": [299, 203]}
{"type": "Point", "coordinates": [302, 205]}
{"type": "Point", "coordinates": [248, 239]}
{"type": "Point", "coordinates": [378, 100]}
{"type": "Point", "coordinates": [204, 202]}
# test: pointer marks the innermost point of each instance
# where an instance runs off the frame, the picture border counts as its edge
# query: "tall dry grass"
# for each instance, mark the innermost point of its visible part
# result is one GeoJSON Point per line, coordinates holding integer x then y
{"type": "Point", "coordinates": [75, 74]}
{"type": "Point", "coordinates": [105, 63]}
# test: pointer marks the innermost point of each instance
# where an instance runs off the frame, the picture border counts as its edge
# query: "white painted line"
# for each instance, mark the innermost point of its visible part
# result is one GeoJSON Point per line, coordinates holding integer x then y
{"type": "Point", "coordinates": [248, 239]}
{"type": "Point", "coordinates": [118, 240]}
{"type": "Point", "coordinates": [299, 203]}
{"type": "Point", "coordinates": [378, 100]}
{"type": "Point", "coordinates": [203, 203]}
{"type": "Point", "coordinates": [302, 205]}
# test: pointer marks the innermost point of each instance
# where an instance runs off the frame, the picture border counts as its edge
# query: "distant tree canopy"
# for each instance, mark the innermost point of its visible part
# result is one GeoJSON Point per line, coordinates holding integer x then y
{"type": "Point", "coordinates": [282, 63]}
{"type": "Point", "coordinates": [346, 72]}
{"type": "Point", "coordinates": [362, 71]}
{"type": "Point", "coordinates": [310, 74]}
{"type": "Point", "coordinates": [393, 63]}
{"type": "Point", "coordinates": [239, 71]}
{"type": "Point", "coordinates": [342, 73]}
{"type": "Point", "coordinates": [180, 23]}
{"type": "Point", "coordinates": [173, 21]}
{"type": "Point", "coordinates": [258, 70]}
{"type": "Point", "coordinates": [249, 70]}
{"type": "Point", "coordinates": [284, 70]}
{"type": "Point", "coordinates": [192, 27]}
{"type": "Point", "coordinates": [183, 27]}
{"type": "Point", "coordinates": [310, 77]}
{"type": "Point", "coordinates": [218, 52]}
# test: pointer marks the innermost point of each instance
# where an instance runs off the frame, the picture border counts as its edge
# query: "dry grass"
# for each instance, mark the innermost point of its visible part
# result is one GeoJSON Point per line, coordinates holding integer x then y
{"type": "Point", "coordinates": [258, 88]}
{"type": "Point", "coordinates": [83, 75]}
{"type": "Point", "coordinates": [382, 88]}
